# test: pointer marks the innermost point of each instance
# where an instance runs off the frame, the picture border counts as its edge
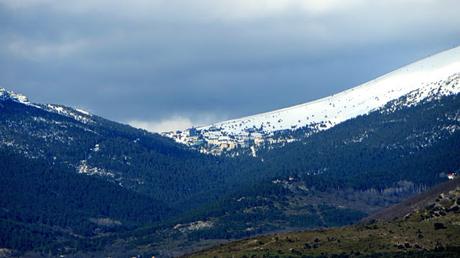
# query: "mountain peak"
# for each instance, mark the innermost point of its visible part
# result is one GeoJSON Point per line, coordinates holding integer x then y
{"type": "Point", "coordinates": [10, 95]}
{"type": "Point", "coordinates": [75, 113]}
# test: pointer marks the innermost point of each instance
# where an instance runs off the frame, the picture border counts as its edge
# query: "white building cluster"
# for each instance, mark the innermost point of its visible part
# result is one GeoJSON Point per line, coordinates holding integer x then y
{"type": "Point", "coordinates": [215, 141]}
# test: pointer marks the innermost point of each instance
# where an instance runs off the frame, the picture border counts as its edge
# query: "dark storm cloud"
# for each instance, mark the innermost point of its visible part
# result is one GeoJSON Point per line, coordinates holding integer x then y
{"type": "Point", "coordinates": [200, 61]}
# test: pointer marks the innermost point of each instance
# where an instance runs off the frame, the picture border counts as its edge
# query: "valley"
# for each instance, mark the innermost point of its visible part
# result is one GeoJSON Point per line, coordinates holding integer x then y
{"type": "Point", "coordinates": [78, 185]}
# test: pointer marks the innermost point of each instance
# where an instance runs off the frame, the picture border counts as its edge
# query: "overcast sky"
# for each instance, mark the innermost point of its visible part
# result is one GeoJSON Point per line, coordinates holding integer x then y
{"type": "Point", "coordinates": [173, 63]}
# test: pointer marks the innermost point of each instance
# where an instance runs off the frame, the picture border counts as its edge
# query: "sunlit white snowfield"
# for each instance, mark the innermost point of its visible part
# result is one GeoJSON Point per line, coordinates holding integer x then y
{"type": "Point", "coordinates": [434, 72]}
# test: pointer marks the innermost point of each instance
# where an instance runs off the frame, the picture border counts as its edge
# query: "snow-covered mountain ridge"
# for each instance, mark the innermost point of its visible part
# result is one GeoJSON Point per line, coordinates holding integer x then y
{"type": "Point", "coordinates": [9, 95]}
{"type": "Point", "coordinates": [437, 71]}
{"type": "Point", "coordinates": [77, 114]}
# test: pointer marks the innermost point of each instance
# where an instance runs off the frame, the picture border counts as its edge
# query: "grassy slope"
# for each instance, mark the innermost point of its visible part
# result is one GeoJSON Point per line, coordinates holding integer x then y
{"type": "Point", "coordinates": [414, 235]}
{"type": "Point", "coordinates": [417, 202]}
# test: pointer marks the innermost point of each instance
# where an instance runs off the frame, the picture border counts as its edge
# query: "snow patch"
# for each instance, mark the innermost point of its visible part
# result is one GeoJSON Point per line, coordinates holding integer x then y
{"type": "Point", "coordinates": [84, 112]}
{"type": "Point", "coordinates": [84, 168]}
{"type": "Point", "coordinates": [194, 226]}
{"type": "Point", "coordinates": [16, 97]}
{"type": "Point", "coordinates": [96, 148]}
{"type": "Point", "coordinates": [80, 116]}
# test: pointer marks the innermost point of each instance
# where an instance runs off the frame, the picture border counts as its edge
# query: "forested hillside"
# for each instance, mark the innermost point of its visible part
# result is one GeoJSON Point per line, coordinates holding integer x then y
{"type": "Point", "coordinates": [98, 187]}
{"type": "Point", "coordinates": [131, 158]}
{"type": "Point", "coordinates": [333, 178]}
{"type": "Point", "coordinates": [431, 231]}
{"type": "Point", "coordinates": [45, 206]}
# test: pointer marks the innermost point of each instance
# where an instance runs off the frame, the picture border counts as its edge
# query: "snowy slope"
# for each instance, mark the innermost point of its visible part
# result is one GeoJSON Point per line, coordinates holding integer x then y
{"type": "Point", "coordinates": [353, 102]}
{"type": "Point", "coordinates": [77, 114]}
{"type": "Point", "coordinates": [9, 95]}
{"type": "Point", "coordinates": [328, 112]}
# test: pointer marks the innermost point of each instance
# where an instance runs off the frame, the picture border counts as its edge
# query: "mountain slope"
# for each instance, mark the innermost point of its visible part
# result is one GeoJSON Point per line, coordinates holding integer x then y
{"type": "Point", "coordinates": [418, 202]}
{"type": "Point", "coordinates": [430, 231]}
{"type": "Point", "coordinates": [399, 141]}
{"type": "Point", "coordinates": [87, 144]}
{"type": "Point", "coordinates": [332, 178]}
{"type": "Point", "coordinates": [69, 180]}
{"type": "Point", "coordinates": [51, 208]}
{"type": "Point", "coordinates": [296, 179]}
{"type": "Point", "coordinates": [324, 113]}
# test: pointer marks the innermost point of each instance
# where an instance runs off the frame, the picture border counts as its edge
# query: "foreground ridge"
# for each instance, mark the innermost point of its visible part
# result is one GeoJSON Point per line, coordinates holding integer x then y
{"type": "Point", "coordinates": [430, 229]}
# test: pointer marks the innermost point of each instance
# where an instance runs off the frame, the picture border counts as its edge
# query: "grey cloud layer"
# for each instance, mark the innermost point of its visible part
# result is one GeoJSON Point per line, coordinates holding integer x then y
{"type": "Point", "coordinates": [150, 60]}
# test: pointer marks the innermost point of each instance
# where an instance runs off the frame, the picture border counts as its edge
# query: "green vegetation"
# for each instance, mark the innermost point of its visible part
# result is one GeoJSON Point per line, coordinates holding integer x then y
{"type": "Point", "coordinates": [46, 209]}
{"type": "Point", "coordinates": [430, 232]}
{"type": "Point", "coordinates": [140, 186]}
